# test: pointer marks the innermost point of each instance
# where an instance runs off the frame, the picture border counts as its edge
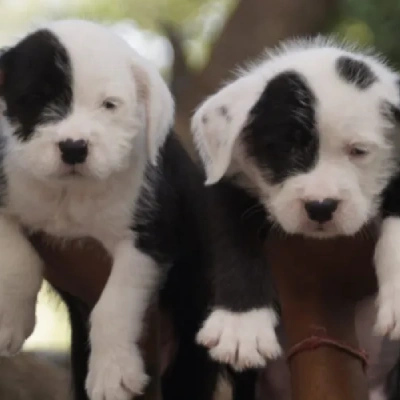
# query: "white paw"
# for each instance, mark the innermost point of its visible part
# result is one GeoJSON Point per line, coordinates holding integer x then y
{"type": "Point", "coordinates": [116, 374]}
{"type": "Point", "coordinates": [388, 316]}
{"type": "Point", "coordinates": [17, 321]}
{"type": "Point", "coordinates": [243, 340]}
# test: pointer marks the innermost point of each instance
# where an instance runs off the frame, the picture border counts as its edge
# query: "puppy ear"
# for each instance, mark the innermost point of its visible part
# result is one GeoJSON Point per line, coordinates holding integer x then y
{"type": "Point", "coordinates": [158, 102]}
{"type": "Point", "coordinates": [5, 54]}
{"type": "Point", "coordinates": [218, 122]}
{"type": "Point", "coordinates": [2, 51]}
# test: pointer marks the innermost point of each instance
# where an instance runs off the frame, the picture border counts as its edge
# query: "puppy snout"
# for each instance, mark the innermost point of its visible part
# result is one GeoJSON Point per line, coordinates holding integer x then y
{"type": "Point", "coordinates": [73, 151]}
{"type": "Point", "coordinates": [321, 211]}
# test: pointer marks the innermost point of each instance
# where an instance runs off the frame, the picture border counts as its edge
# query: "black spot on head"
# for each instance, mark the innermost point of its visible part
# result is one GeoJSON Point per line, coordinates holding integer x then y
{"type": "Point", "coordinates": [281, 133]}
{"type": "Point", "coordinates": [36, 86]}
{"type": "Point", "coordinates": [204, 119]}
{"type": "Point", "coordinates": [355, 72]}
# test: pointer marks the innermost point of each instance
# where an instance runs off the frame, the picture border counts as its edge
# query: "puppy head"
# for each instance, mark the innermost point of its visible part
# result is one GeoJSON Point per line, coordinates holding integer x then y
{"type": "Point", "coordinates": [80, 103]}
{"type": "Point", "coordinates": [313, 130]}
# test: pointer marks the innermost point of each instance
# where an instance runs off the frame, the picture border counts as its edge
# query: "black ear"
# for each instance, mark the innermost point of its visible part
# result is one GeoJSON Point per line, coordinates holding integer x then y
{"type": "Point", "coordinates": [396, 114]}
{"type": "Point", "coordinates": [3, 51]}
{"type": "Point", "coordinates": [390, 110]}
{"type": "Point", "coordinates": [396, 108]}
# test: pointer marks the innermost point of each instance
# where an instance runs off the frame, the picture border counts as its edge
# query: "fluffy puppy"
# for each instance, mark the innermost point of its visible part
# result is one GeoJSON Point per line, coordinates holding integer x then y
{"type": "Point", "coordinates": [84, 115]}
{"type": "Point", "coordinates": [87, 152]}
{"type": "Point", "coordinates": [311, 132]}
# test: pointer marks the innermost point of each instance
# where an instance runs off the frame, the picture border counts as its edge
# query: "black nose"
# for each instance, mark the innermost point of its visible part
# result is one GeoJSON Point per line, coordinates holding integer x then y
{"type": "Point", "coordinates": [321, 211]}
{"type": "Point", "coordinates": [73, 151]}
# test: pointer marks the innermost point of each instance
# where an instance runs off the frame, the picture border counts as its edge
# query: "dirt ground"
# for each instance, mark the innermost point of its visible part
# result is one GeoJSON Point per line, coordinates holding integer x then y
{"type": "Point", "coordinates": [29, 377]}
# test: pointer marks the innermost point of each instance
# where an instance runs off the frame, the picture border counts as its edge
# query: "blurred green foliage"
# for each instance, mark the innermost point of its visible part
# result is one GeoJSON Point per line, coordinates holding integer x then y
{"type": "Point", "coordinates": [198, 21]}
{"type": "Point", "coordinates": [367, 22]}
{"type": "Point", "coordinates": [375, 23]}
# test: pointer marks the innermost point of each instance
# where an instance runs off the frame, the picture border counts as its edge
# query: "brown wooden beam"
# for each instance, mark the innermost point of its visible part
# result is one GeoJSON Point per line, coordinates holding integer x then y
{"type": "Point", "coordinates": [319, 283]}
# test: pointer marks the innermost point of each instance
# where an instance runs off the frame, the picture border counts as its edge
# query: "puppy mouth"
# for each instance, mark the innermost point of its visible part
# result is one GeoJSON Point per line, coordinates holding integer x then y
{"type": "Point", "coordinates": [71, 172]}
{"type": "Point", "coordinates": [320, 230]}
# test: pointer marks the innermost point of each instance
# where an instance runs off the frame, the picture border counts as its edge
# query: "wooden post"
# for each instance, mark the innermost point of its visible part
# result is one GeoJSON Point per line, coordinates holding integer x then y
{"type": "Point", "coordinates": [319, 283]}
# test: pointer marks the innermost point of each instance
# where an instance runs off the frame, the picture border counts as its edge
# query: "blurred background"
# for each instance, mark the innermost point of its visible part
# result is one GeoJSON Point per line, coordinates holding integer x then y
{"type": "Point", "coordinates": [196, 43]}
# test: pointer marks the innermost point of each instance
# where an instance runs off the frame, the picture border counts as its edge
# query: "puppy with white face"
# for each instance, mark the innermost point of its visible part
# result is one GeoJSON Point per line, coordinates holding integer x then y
{"type": "Point", "coordinates": [312, 131]}
{"type": "Point", "coordinates": [83, 116]}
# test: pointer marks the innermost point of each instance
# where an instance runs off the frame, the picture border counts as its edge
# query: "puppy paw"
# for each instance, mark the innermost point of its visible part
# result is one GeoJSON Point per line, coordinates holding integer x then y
{"type": "Point", "coordinates": [17, 321]}
{"type": "Point", "coordinates": [388, 315]}
{"type": "Point", "coordinates": [116, 374]}
{"type": "Point", "coordinates": [241, 339]}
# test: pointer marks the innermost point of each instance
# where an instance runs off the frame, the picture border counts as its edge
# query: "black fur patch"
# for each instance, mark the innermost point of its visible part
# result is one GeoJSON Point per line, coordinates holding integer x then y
{"type": "Point", "coordinates": [281, 133]}
{"type": "Point", "coordinates": [37, 87]}
{"type": "Point", "coordinates": [355, 72]}
{"type": "Point", "coordinates": [396, 108]}
{"type": "Point", "coordinates": [392, 111]}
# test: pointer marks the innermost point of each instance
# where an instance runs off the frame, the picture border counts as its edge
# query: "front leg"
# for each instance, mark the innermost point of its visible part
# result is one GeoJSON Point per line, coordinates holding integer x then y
{"type": "Point", "coordinates": [116, 369]}
{"type": "Point", "coordinates": [240, 330]}
{"type": "Point", "coordinates": [387, 265]}
{"type": "Point", "coordinates": [387, 262]}
{"type": "Point", "coordinates": [21, 275]}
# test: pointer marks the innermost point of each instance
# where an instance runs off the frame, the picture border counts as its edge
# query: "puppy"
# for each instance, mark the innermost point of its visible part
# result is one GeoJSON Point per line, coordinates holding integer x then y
{"type": "Point", "coordinates": [87, 151]}
{"type": "Point", "coordinates": [84, 115]}
{"type": "Point", "coordinates": [312, 132]}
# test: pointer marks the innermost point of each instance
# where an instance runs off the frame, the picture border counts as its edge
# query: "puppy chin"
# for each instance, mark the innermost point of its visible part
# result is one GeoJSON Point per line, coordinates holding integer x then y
{"type": "Point", "coordinates": [328, 230]}
{"type": "Point", "coordinates": [62, 174]}
{"type": "Point", "coordinates": [310, 229]}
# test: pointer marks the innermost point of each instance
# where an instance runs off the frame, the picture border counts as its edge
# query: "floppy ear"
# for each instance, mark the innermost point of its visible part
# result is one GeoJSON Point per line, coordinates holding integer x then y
{"type": "Point", "coordinates": [158, 102]}
{"type": "Point", "coordinates": [6, 55]}
{"type": "Point", "coordinates": [218, 122]}
{"type": "Point", "coordinates": [2, 51]}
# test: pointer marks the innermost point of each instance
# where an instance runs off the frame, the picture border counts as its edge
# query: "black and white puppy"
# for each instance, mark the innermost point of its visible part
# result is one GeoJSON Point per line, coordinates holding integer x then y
{"type": "Point", "coordinates": [84, 115]}
{"type": "Point", "coordinates": [312, 132]}
{"type": "Point", "coordinates": [87, 151]}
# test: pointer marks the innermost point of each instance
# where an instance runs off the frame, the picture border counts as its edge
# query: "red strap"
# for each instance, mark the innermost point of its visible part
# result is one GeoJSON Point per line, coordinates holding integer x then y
{"type": "Point", "coordinates": [320, 338]}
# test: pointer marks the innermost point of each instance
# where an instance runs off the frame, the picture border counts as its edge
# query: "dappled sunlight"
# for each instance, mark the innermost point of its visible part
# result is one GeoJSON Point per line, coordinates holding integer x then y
{"type": "Point", "coordinates": [52, 330]}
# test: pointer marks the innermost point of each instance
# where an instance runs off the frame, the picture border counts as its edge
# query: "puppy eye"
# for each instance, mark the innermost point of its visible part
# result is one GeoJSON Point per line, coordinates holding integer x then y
{"type": "Point", "coordinates": [110, 104]}
{"type": "Point", "coordinates": [357, 152]}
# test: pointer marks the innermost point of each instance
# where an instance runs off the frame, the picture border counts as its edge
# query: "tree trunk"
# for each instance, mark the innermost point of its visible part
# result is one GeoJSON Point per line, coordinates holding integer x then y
{"type": "Point", "coordinates": [253, 26]}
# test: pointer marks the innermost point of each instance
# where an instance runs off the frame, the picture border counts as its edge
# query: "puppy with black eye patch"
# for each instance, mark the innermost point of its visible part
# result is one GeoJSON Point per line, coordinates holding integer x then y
{"type": "Point", "coordinates": [83, 116]}
{"type": "Point", "coordinates": [312, 133]}
{"type": "Point", "coordinates": [87, 150]}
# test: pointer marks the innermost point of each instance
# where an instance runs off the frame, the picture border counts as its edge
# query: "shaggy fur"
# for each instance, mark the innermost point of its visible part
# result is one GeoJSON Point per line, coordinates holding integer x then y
{"type": "Point", "coordinates": [84, 114]}
{"type": "Point", "coordinates": [312, 132]}
{"type": "Point", "coordinates": [87, 151]}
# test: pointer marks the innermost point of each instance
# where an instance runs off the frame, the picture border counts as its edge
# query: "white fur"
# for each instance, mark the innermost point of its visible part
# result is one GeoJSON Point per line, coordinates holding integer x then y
{"type": "Point", "coordinates": [21, 278]}
{"type": "Point", "coordinates": [116, 368]}
{"type": "Point", "coordinates": [141, 121]}
{"type": "Point", "coordinates": [387, 261]}
{"type": "Point", "coordinates": [241, 339]}
{"type": "Point", "coordinates": [99, 202]}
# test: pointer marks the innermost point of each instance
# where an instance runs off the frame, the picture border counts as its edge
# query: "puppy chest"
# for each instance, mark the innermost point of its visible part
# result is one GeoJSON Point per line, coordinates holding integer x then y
{"type": "Point", "coordinates": [70, 216]}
